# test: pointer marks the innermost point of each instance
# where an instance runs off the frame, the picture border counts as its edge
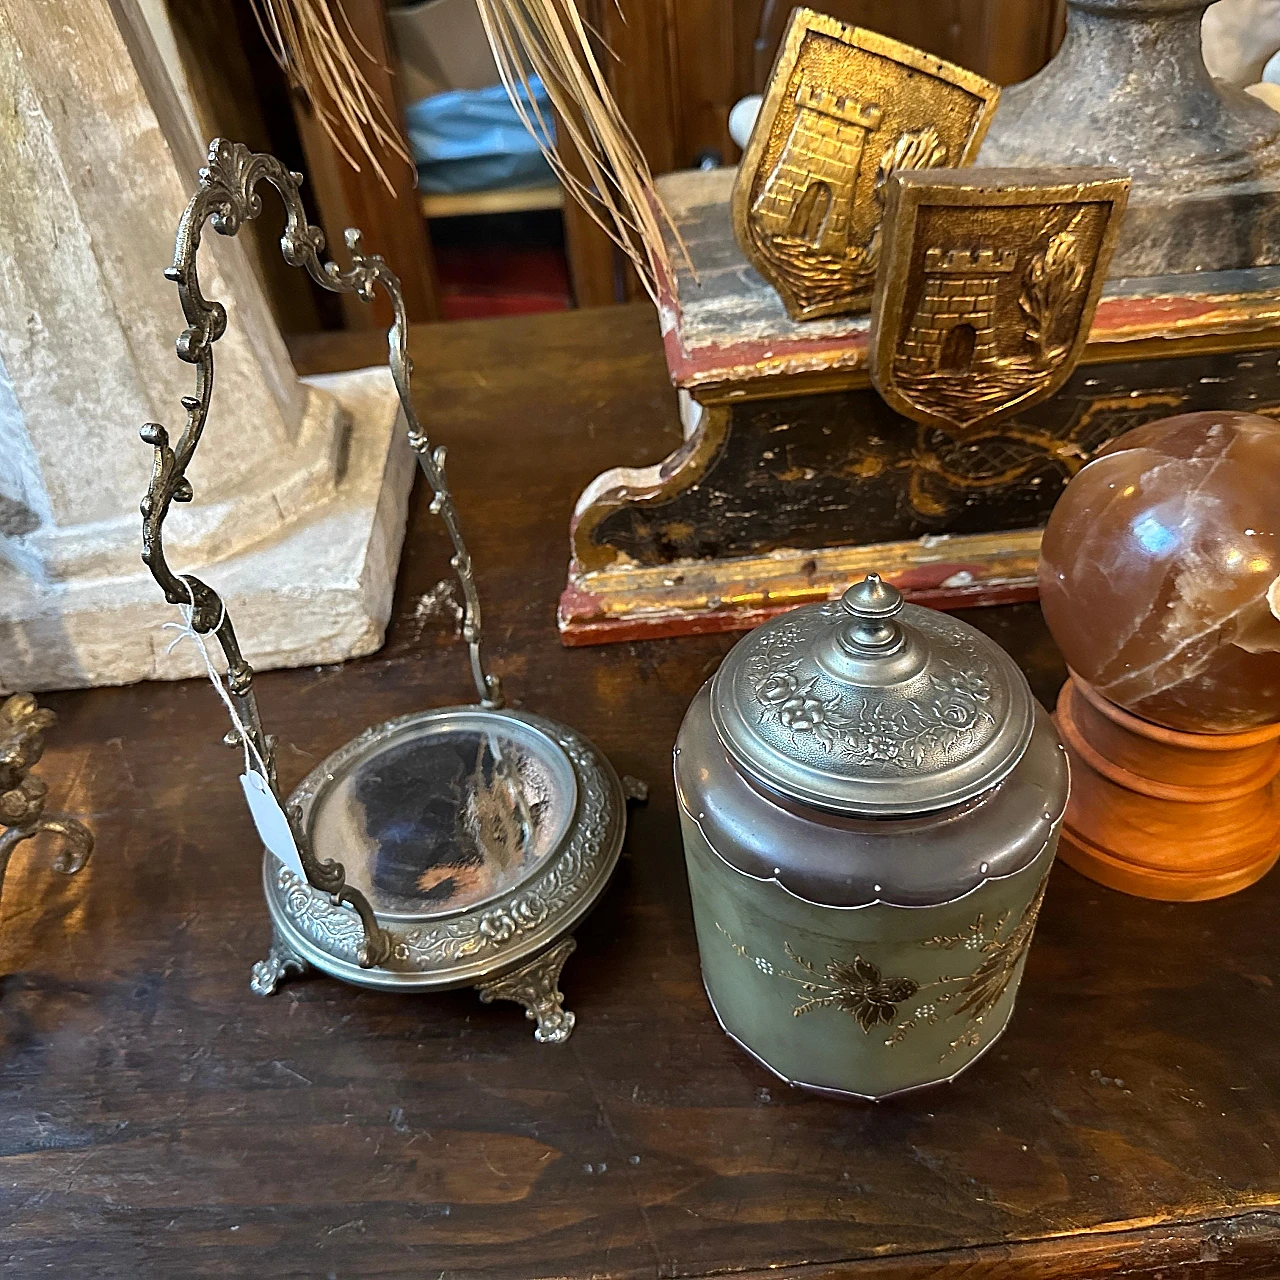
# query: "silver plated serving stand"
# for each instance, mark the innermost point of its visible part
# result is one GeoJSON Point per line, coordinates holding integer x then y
{"type": "Point", "coordinates": [449, 847]}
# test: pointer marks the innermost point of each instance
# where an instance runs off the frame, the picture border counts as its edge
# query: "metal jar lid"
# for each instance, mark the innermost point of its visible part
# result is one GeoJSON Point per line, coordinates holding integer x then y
{"type": "Point", "coordinates": [870, 706]}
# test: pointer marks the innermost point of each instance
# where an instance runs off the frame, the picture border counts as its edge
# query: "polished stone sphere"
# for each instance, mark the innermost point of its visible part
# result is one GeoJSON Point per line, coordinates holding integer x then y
{"type": "Point", "coordinates": [1158, 572]}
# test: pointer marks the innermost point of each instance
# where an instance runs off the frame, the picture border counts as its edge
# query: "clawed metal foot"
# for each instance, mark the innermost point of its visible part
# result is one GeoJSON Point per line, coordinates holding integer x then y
{"type": "Point", "coordinates": [536, 986]}
{"type": "Point", "coordinates": [269, 973]}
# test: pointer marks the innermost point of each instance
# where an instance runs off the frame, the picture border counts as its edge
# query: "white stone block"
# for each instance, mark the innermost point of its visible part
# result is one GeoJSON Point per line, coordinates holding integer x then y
{"type": "Point", "coordinates": [315, 588]}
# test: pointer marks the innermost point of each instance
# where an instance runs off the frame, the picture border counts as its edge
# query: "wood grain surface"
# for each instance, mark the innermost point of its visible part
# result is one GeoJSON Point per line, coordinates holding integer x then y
{"type": "Point", "coordinates": [158, 1120]}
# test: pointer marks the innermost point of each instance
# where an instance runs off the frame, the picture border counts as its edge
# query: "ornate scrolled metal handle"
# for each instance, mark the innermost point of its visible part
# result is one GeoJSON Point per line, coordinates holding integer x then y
{"type": "Point", "coordinates": [227, 197]}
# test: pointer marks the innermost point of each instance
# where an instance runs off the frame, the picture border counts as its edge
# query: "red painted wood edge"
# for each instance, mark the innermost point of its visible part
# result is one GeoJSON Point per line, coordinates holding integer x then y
{"type": "Point", "coordinates": [581, 625]}
{"type": "Point", "coordinates": [1117, 320]}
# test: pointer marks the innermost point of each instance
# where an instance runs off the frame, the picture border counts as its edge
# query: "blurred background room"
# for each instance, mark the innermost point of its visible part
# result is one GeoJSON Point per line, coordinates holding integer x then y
{"type": "Point", "coordinates": [479, 225]}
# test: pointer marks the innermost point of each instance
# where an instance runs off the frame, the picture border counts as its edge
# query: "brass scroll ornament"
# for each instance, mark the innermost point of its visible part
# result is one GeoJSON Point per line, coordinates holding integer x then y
{"type": "Point", "coordinates": [23, 724]}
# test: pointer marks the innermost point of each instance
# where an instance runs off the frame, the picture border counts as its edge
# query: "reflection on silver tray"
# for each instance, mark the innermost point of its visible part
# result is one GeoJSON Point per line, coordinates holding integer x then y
{"type": "Point", "coordinates": [446, 815]}
{"type": "Point", "coordinates": [365, 807]}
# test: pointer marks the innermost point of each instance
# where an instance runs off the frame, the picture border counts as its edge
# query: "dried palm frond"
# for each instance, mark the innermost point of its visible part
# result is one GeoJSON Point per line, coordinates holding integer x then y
{"type": "Point", "coordinates": [306, 39]}
{"type": "Point", "coordinates": [550, 40]}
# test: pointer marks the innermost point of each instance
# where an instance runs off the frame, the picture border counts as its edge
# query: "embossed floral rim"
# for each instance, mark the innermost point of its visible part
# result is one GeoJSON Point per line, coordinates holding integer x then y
{"type": "Point", "coordinates": [956, 709]}
{"type": "Point", "coordinates": [476, 943]}
{"type": "Point", "coordinates": [943, 734]}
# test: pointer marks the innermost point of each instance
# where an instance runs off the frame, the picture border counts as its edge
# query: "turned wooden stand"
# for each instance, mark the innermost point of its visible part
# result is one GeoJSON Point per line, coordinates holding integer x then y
{"type": "Point", "coordinates": [1164, 814]}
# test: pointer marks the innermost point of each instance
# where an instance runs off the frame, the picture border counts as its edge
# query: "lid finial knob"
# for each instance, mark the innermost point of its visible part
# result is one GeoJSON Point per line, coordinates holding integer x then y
{"type": "Point", "coordinates": [872, 605]}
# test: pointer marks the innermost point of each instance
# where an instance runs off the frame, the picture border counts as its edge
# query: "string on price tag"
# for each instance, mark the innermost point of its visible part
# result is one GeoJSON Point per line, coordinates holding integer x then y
{"type": "Point", "coordinates": [269, 818]}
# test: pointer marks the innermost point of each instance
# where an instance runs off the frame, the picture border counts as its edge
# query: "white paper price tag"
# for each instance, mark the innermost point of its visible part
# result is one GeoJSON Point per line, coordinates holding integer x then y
{"type": "Point", "coordinates": [273, 826]}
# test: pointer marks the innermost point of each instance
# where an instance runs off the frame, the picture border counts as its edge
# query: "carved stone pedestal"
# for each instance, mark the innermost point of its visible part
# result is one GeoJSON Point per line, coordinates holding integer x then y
{"type": "Point", "coordinates": [1129, 88]}
{"type": "Point", "coordinates": [302, 485]}
{"type": "Point", "coordinates": [315, 588]}
{"type": "Point", "coordinates": [1163, 814]}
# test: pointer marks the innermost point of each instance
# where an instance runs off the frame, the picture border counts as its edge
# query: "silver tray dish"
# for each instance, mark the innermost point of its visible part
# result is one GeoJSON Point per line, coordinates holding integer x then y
{"type": "Point", "coordinates": [480, 839]}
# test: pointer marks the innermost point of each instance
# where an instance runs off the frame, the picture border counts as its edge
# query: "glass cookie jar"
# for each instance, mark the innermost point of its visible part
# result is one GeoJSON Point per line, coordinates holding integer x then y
{"type": "Point", "coordinates": [870, 799]}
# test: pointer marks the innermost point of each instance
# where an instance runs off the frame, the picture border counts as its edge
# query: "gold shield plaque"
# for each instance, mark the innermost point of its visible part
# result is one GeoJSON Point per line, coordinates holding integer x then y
{"type": "Point", "coordinates": [844, 109]}
{"type": "Point", "coordinates": [988, 282]}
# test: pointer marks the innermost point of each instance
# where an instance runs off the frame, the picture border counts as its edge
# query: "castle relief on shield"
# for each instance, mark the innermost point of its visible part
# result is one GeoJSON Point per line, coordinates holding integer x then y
{"type": "Point", "coordinates": [987, 288]}
{"type": "Point", "coordinates": [845, 109]}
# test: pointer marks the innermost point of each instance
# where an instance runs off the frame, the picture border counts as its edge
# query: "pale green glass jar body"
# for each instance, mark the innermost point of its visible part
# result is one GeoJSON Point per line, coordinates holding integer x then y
{"type": "Point", "coordinates": [875, 943]}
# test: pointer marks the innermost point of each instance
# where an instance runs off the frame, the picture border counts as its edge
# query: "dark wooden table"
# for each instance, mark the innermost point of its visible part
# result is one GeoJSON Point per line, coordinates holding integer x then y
{"type": "Point", "coordinates": [158, 1120]}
